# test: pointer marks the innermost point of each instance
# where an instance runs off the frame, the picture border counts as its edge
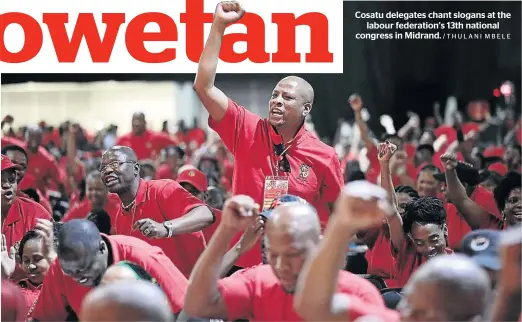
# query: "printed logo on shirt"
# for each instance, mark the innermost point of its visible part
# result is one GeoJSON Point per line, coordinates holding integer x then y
{"type": "Point", "coordinates": [479, 243]}
{"type": "Point", "coordinates": [304, 171]}
{"type": "Point", "coordinates": [191, 174]}
{"type": "Point", "coordinates": [36, 170]}
{"type": "Point", "coordinates": [148, 145]}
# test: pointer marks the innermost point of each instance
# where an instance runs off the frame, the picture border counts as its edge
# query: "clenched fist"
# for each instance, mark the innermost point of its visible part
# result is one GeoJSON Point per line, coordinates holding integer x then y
{"type": "Point", "coordinates": [449, 160]}
{"type": "Point", "coordinates": [228, 12]}
{"type": "Point", "coordinates": [355, 102]}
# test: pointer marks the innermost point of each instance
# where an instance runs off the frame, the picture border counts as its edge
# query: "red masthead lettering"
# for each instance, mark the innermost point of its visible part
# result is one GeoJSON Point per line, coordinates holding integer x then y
{"type": "Point", "coordinates": [195, 19]}
{"type": "Point", "coordinates": [135, 37]}
{"type": "Point", "coordinates": [67, 50]}
{"type": "Point", "coordinates": [255, 39]}
{"type": "Point", "coordinates": [286, 25]}
{"type": "Point", "coordinates": [33, 37]}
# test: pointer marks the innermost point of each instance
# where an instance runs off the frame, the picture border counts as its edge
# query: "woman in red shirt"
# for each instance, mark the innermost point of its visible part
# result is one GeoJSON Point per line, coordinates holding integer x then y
{"type": "Point", "coordinates": [424, 223]}
{"type": "Point", "coordinates": [37, 254]}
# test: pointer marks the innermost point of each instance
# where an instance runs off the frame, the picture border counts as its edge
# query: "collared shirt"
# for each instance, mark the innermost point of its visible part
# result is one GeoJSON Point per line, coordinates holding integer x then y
{"type": "Point", "coordinates": [60, 290]}
{"type": "Point", "coordinates": [256, 294]}
{"type": "Point", "coordinates": [164, 200]}
{"type": "Point", "coordinates": [315, 169]}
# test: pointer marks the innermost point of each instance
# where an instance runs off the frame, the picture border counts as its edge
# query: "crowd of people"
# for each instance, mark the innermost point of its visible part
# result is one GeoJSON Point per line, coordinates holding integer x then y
{"type": "Point", "coordinates": [267, 222]}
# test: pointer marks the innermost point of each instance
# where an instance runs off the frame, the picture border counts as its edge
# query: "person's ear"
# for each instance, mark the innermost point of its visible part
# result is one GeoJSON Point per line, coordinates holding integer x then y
{"type": "Point", "coordinates": [307, 109]}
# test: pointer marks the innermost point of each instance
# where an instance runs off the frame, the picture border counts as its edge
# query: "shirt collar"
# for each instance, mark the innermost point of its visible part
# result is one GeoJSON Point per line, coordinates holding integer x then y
{"type": "Point", "coordinates": [141, 195]}
{"type": "Point", "coordinates": [278, 139]}
{"type": "Point", "coordinates": [14, 214]}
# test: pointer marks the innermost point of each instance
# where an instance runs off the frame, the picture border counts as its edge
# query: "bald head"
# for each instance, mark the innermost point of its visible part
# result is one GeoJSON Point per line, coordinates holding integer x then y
{"type": "Point", "coordinates": [77, 236]}
{"type": "Point", "coordinates": [304, 89]}
{"type": "Point", "coordinates": [453, 280]}
{"type": "Point", "coordinates": [297, 220]}
{"type": "Point", "coordinates": [126, 301]}
{"type": "Point", "coordinates": [118, 150]}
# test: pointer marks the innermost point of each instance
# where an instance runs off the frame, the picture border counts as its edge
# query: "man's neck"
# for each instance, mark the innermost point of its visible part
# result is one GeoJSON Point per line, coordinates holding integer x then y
{"type": "Point", "coordinates": [288, 134]}
{"type": "Point", "coordinates": [128, 196]}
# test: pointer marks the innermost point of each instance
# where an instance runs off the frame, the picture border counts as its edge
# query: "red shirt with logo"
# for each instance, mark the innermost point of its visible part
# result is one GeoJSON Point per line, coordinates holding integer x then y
{"type": "Point", "coordinates": [164, 200]}
{"type": "Point", "coordinates": [60, 290]}
{"type": "Point", "coordinates": [458, 227]}
{"type": "Point", "coordinates": [256, 294]}
{"type": "Point", "coordinates": [315, 170]}
{"type": "Point", "coordinates": [148, 144]}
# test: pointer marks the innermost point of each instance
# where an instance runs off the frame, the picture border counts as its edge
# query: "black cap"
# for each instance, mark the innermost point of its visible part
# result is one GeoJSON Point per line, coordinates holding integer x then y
{"type": "Point", "coordinates": [483, 247]}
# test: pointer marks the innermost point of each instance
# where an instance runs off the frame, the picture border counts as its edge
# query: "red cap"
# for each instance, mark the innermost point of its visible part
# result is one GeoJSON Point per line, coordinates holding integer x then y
{"type": "Point", "coordinates": [499, 168]}
{"type": "Point", "coordinates": [8, 164]}
{"type": "Point", "coordinates": [494, 151]}
{"type": "Point", "coordinates": [194, 177]}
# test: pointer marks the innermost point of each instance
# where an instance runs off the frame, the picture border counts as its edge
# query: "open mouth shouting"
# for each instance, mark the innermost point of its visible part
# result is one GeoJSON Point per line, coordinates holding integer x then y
{"type": "Point", "coordinates": [111, 181]}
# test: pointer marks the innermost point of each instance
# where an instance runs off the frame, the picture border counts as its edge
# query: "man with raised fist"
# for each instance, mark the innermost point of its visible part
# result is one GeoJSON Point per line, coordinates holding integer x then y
{"type": "Point", "coordinates": [273, 156]}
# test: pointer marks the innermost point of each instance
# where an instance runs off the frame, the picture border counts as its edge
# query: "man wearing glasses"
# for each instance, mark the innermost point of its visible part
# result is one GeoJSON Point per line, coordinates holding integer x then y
{"type": "Point", "coordinates": [273, 156]}
{"type": "Point", "coordinates": [160, 212]}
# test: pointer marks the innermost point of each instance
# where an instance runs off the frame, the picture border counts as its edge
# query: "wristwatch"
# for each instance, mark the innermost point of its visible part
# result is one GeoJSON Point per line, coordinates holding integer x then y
{"type": "Point", "coordinates": [170, 228]}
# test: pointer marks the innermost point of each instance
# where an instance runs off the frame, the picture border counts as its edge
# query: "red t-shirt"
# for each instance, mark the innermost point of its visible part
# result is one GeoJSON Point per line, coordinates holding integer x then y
{"type": "Point", "coordinates": [256, 294]}
{"type": "Point", "coordinates": [44, 168]}
{"type": "Point", "coordinates": [147, 145]}
{"type": "Point", "coordinates": [247, 137]}
{"type": "Point", "coordinates": [81, 209]}
{"type": "Point", "coordinates": [407, 260]}
{"type": "Point", "coordinates": [196, 135]}
{"type": "Point", "coordinates": [59, 290]}
{"type": "Point", "coordinates": [458, 227]}
{"type": "Point", "coordinates": [163, 200]}
{"type": "Point", "coordinates": [379, 255]}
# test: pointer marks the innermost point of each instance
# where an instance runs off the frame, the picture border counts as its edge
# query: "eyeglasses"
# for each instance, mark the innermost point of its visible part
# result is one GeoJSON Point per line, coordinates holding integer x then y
{"type": "Point", "coordinates": [113, 165]}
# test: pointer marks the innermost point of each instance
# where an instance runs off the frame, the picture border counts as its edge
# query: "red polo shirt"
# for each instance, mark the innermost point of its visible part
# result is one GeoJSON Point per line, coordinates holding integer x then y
{"type": "Point", "coordinates": [209, 231]}
{"type": "Point", "coordinates": [60, 290]}
{"type": "Point", "coordinates": [147, 145]}
{"type": "Point", "coordinates": [458, 227]}
{"type": "Point", "coordinates": [407, 260]}
{"type": "Point", "coordinates": [44, 168]}
{"type": "Point", "coordinates": [247, 137]}
{"type": "Point", "coordinates": [163, 200]}
{"type": "Point", "coordinates": [43, 200]}
{"type": "Point", "coordinates": [30, 291]}
{"type": "Point", "coordinates": [256, 294]}
{"type": "Point", "coordinates": [20, 219]}
{"type": "Point", "coordinates": [379, 256]}
{"type": "Point", "coordinates": [81, 209]}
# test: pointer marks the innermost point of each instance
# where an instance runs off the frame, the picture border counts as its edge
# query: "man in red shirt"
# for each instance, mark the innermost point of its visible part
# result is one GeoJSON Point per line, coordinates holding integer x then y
{"type": "Point", "coordinates": [263, 292]}
{"type": "Point", "coordinates": [160, 212]}
{"type": "Point", "coordinates": [19, 214]}
{"type": "Point", "coordinates": [273, 156]}
{"type": "Point", "coordinates": [97, 198]}
{"type": "Point", "coordinates": [19, 156]}
{"type": "Point", "coordinates": [146, 143]}
{"type": "Point", "coordinates": [83, 256]}
{"type": "Point", "coordinates": [41, 165]}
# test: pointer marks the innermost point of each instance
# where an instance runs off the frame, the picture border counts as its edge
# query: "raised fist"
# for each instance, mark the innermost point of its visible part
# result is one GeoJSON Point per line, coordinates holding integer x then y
{"type": "Point", "coordinates": [386, 150]}
{"type": "Point", "coordinates": [449, 160]}
{"type": "Point", "coordinates": [355, 102]}
{"type": "Point", "coordinates": [228, 12]}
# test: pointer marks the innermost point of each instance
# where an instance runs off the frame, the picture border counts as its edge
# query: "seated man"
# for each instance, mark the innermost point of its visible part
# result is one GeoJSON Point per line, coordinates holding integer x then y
{"type": "Point", "coordinates": [263, 292]}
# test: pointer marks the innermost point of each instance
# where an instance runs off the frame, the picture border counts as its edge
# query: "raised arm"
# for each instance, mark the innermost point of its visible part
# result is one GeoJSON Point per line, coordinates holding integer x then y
{"type": "Point", "coordinates": [385, 152]}
{"type": "Point", "coordinates": [472, 213]}
{"type": "Point", "coordinates": [356, 103]}
{"type": "Point", "coordinates": [214, 100]}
